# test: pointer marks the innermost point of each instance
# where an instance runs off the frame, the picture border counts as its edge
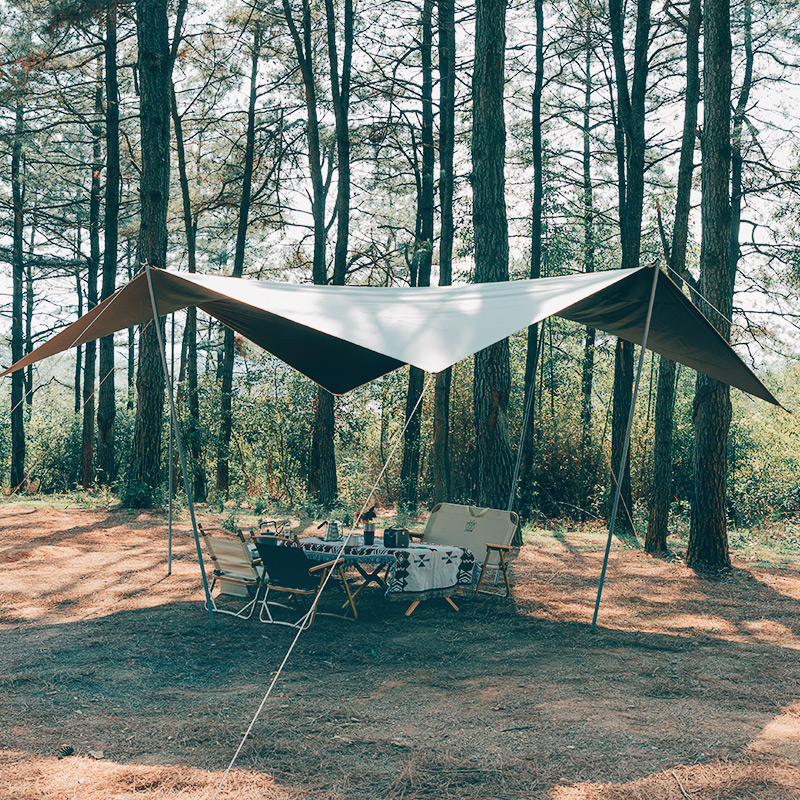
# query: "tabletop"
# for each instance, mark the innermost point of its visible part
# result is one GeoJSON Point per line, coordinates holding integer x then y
{"type": "Point", "coordinates": [420, 570]}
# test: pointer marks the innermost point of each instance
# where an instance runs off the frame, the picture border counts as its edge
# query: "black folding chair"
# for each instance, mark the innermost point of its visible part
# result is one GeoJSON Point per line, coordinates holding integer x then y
{"type": "Point", "coordinates": [289, 570]}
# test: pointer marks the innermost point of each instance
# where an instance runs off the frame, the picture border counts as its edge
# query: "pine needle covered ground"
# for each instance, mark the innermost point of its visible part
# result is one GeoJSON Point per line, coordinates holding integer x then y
{"type": "Point", "coordinates": [690, 687]}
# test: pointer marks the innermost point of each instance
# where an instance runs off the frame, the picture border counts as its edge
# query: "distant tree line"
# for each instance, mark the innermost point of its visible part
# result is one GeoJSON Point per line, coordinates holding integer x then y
{"type": "Point", "coordinates": [400, 144]}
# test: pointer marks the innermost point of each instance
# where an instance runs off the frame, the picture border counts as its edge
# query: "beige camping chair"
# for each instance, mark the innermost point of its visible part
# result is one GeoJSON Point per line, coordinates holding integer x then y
{"type": "Point", "coordinates": [487, 532]}
{"type": "Point", "coordinates": [237, 573]}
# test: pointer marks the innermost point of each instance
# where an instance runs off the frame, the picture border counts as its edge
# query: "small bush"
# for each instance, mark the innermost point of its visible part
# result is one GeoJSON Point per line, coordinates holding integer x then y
{"type": "Point", "coordinates": [135, 494]}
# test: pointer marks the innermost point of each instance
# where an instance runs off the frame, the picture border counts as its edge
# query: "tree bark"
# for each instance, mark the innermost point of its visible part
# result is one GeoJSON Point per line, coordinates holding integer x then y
{"type": "Point", "coordinates": [106, 395]}
{"type": "Point", "coordinates": [29, 309]}
{"type": "Point", "coordinates": [440, 455]}
{"type": "Point", "coordinates": [154, 81]}
{"type": "Point", "coordinates": [630, 139]}
{"type": "Point", "coordinates": [737, 159]}
{"type": "Point", "coordinates": [340, 93]}
{"type": "Point", "coordinates": [79, 349]}
{"type": "Point", "coordinates": [708, 540]}
{"type": "Point", "coordinates": [532, 352]}
{"type": "Point", "coordinates": [587, 369]}
{"type": "Point", "coordinates": [90, 366]}
{"type": "Point", "coordinates": [322, 482]}
{"type": "Point", "coordinates": [18, 278]}
{"type": "Point", "coordinates": [423, 255]}
{"type": "Point", "coordinates": [131, 350]}
{"type": "Point", "coordinates": [226, 369]}
{"type": "Point", "coordinates": [492, 370]}
{"type": "Point", "coordinates": [657, 528]}
{"type": "Point", "coordinates": [193, 435]}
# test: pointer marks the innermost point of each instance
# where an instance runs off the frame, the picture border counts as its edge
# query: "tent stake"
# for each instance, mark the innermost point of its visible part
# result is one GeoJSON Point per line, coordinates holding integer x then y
{"type": "Point", "coordinates": [181, 455]}
{"type": "Point", "coordinates": [625, 448]}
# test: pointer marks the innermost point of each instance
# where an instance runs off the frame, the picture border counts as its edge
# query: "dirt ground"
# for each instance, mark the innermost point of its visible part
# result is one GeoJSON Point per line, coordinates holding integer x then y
{"type": "Point", "coordinates": [689, 689]}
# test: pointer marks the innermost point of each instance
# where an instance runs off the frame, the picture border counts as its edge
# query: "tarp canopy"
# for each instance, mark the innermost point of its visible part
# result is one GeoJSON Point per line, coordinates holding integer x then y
{"type": "Point", "coordinates": [344, 336]}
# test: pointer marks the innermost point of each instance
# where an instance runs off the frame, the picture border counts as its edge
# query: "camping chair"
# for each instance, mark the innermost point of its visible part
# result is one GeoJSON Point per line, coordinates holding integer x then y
{"type": "Point", "coordinates": [487, 532]}
{"type": "Point", "coordinates": [236, 573]}
{"type": "Point", "coordinates": [291, 572]}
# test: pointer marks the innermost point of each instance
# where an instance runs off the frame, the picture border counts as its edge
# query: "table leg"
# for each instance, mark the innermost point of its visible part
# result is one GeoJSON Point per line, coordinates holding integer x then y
{"type": "Point", "coordinates": [369, 577]}
{"type": "Point", "coordinates": [410, 609]}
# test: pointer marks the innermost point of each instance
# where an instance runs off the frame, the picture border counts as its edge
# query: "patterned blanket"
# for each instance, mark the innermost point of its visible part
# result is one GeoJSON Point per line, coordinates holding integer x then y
{"type": "Point", "coordinates": [421, 570]}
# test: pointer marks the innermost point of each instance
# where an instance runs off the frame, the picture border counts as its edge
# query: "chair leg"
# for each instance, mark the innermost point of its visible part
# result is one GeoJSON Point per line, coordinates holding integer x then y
{"type": "Point", "coordinates": [303, 622]}
{"type": "Point", "coordinates": [504, 568]}
{"type": "Point", "coordinates": [350, 596]}
{"type": "Point", "coordinates": [450, 600]}
{"type": "Point", "coordinates": [480, 576]}
{"type": "Point", "coordinates": [245, 612]}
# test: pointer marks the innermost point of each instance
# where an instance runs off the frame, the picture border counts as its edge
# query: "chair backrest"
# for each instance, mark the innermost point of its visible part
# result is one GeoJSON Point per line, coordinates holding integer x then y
{"type": "Point", "coordinates": [286, 564]}
{"type": "Point", "coordinates": [470, 527]}
{"type": "Point", "coordinates": [231, 557]}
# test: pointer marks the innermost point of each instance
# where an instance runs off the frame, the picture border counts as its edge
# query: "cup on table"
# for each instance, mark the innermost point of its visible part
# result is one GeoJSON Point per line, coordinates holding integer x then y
{"type": "Point", "coordinates": [369, 533]}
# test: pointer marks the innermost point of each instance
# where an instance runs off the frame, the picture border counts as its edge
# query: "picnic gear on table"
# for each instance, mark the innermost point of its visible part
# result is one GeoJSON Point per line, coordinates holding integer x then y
{"type": "Point", "coordinates": [291, 572]}
{"type": "Point", "coordinates": [418, 572]}
{"type": "Point", "coordinates": [487, 532]}
{"type": "Point", "coordinates": [235, 572]}
{"type": "Point", "coordinates": [369, 533]}
{"type": "Point", "coordinates": [333, 530]}
{"type": "Point", "coordinates": [401, 536]}
{"type": "Point", "coordinates": [396, 537]}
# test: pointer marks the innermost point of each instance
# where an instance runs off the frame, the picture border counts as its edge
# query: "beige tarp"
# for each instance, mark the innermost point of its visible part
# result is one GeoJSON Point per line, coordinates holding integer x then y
{"type": "Point", "coordinates": [344, 336]}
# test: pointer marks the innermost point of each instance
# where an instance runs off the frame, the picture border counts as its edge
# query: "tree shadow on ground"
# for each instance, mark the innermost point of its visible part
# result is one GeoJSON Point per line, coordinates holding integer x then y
{"type": "Point", "coordinates": [509, 698]}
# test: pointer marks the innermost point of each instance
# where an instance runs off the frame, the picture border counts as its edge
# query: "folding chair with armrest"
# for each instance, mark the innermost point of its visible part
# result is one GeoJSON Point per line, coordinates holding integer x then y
{"type": "Point", "coordinates": [291, 572]}
{"type": "Point", "coordinates": [236, 573]}
{"type": "Point", "coordinates": [487, 532]}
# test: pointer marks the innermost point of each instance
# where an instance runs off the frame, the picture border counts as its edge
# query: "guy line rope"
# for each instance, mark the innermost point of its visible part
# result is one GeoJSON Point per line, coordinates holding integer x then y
{"type": "Point", "coordinates": [315, 602]}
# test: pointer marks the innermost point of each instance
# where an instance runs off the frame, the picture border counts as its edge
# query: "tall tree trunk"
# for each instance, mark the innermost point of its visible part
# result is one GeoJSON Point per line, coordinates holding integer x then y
{"type": "Point", "coordinates": [657, 528]}
{"type": "Point", "coordinates": [630, 127]}
{"type": "Point", "coordinates": [226, 397]}
{"type": "Point", "coordinates": [154, 80]}
{"type": "Point", "coordinates": [737, 159]}
{"type": "Point", "coordinates": [340, 92]}
{"type": "Point", "coordinates": [87, 450]}
{"type": "Point", "coordinates": [106, 394]}
{"type": "Point", "coordinates": [18, 277]}
{"type": "Point", "coordinates": [708, 539]}
{"type": "Point", "coordinates": [193, 435]}
{"type": "Point", "coordinates": [29, 308]}
{"type": "Point", "coordinates": [322, 481]}
{"type": "Point", "coordinates": [531, 356]}
{"type": "Point", "coordinates": [587, 370]}
{"type": "Point", "coordinates": [423, 254]}
{"type": "Point", "coordinates": [131, 350]}
{"type": "Point", "coordinates": [492, 369]}
{"type": "Point", "coordinates": [440, 455]}
{"type": "Point", "coordinates": [79, 349]}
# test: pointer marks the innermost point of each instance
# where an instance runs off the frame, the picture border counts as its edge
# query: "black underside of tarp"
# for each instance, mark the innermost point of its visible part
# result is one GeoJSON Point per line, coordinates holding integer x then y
{"type": "Point", "coordinates": [335, 364]}
{"type": "Point", "coordinates": [678, 330]}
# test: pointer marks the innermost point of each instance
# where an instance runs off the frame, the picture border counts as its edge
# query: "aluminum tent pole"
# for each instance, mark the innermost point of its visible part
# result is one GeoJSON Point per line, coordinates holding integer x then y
{"type": "Point", "coordinates": [512, 493]}
{"type": "Point", "coordinates": [181, 454]}
{"type": "Point", "coordinates": [625, 449]}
